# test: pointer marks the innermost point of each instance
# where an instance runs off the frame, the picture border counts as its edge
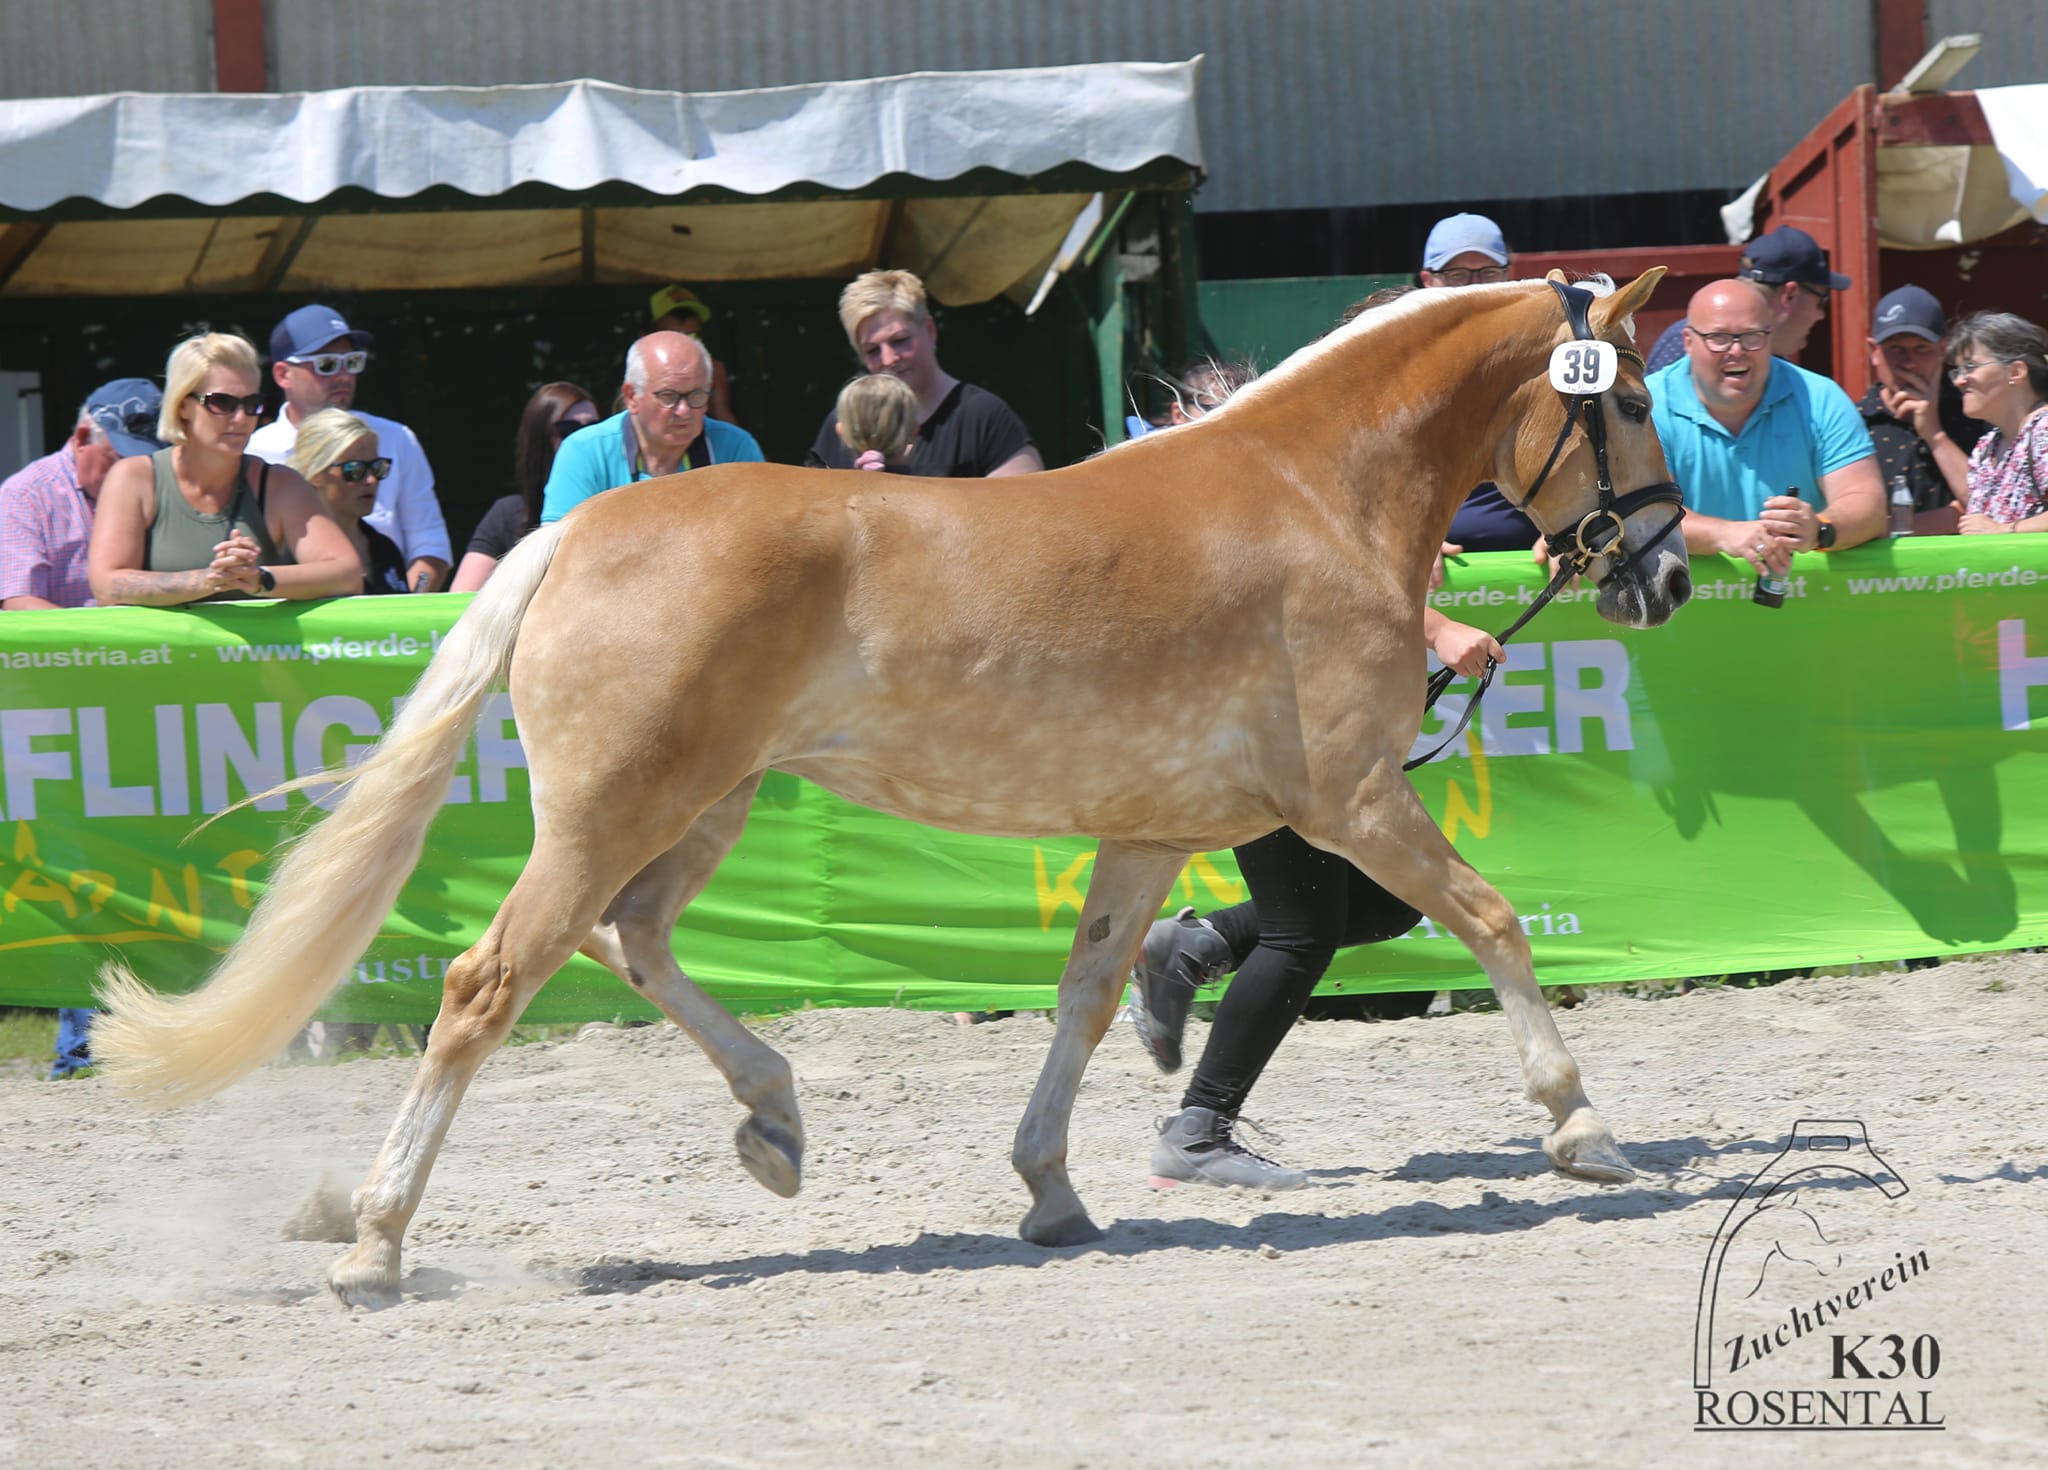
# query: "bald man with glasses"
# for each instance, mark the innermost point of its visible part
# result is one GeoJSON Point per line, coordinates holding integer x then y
{"type": "Point", "coordinates": [1773, 459]}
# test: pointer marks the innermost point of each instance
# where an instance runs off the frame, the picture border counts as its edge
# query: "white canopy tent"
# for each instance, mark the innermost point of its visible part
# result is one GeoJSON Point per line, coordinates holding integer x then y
{"type": "Point", "coordinates": [972, 179]}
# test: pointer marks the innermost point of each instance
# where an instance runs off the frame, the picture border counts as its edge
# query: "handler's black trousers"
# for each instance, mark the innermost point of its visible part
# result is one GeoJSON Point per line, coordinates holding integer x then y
{"type": "Point", "coordinates": [1305, 905]}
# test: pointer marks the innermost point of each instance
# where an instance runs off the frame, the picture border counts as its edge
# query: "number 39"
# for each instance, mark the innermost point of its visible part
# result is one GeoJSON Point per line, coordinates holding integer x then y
{"type": "Point", "coordinates": [1583, 367]}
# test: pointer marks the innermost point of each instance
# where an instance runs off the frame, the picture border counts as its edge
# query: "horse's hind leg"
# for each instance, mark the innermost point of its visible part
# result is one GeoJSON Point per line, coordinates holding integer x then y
{"type": "Point", "coordinates": [1391, 836]}
{"type": "Point", "coordinates": [1124, 894]}
{"type": "Point", "coordinates": [634, 941]}
{"type": "Point", "coordinates": [551, 908]}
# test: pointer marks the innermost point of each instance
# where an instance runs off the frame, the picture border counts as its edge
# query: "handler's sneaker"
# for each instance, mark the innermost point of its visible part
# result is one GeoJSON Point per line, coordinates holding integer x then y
{"type": "Point", "coordinates": [1198, 1144]}
{"type": "Point", "coordinates": [1181, 955]}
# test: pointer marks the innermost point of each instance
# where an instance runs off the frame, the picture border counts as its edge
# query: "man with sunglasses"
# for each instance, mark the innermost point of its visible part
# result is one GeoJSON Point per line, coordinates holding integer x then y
{"type": "Point", "coordinates": [317, 358]}
{"type": "Point", "coordinates": [1791, 269]}
{"type": "Point", "coordinates": [1773, 459]}
{"type": "Point", "coordinates": [664, 429]}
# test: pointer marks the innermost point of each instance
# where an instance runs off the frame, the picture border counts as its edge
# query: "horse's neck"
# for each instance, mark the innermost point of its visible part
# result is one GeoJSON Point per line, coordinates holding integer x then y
{"type": "Point", "coordinates": [1432, 431]}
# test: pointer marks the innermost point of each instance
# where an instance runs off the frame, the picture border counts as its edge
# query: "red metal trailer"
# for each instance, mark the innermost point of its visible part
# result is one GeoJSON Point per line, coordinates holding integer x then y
{"type": "Point", "coordinates": [1828, 186]}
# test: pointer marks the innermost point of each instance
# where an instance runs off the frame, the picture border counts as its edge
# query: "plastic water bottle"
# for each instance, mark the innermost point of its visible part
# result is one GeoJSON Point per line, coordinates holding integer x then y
{"type": "Point", "coordinates": [1771, 588]}
{"type": "Point", "coordinates": [1902, 506]}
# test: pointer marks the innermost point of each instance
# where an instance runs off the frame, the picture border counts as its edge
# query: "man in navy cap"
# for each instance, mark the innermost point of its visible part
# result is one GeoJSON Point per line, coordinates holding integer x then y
{"type": "Point", "coordinates": [1793, 271]}
{"type": "Point", "coordinates": [1913, 411]}
{"type": "Point", "coordinates": [317, 359]}
{"type": "Point", "coordinates": [45, 528]}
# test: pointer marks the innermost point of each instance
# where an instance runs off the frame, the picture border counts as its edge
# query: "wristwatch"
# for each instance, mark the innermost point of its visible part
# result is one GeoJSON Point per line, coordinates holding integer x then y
{"type": "Point", "coordinates": [268, 583]}
{"type": "Point", "coordinates": [1823, 534]}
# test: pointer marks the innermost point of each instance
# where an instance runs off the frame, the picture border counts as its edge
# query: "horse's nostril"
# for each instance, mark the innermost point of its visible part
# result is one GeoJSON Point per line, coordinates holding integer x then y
{"type": "Point", "coordinates": [1681, 587]}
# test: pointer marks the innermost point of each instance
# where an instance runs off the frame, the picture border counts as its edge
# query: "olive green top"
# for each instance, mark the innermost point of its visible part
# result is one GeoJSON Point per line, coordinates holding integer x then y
{"type": "Point", "coordinates": [182, 539]}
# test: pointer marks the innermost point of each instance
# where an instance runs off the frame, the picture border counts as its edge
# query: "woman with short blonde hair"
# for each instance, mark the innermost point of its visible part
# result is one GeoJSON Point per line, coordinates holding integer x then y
{"type": "Point", "coordinates": [203, 520]}
{"type": "Point", "coordinates": [190, 362]}
{"type": "Point", "coordinates": [874, 291]}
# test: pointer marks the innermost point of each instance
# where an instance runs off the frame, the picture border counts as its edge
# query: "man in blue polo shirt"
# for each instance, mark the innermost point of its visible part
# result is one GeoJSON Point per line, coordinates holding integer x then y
{"type": "Point", "coordinates": [663, 430]}
{"type": "Point", "coordinates": [1772, 459]}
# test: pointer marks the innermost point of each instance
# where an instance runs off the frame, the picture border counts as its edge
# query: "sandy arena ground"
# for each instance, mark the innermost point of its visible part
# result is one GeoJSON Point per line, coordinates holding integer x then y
{"type": "Point", "coordinates": [593, 1280]}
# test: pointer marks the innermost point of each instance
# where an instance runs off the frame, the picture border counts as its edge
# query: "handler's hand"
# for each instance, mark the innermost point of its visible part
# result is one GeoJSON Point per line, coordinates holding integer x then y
{"type": "Point", "coordinates": [1466, 648]}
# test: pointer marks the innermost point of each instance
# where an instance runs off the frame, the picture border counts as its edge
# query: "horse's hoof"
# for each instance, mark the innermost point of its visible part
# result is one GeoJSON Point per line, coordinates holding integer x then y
{"type": "Point", "coordinates": [772, 1155]}
{"type": "Point", "coordinates": [358, 1287]}
{"type": "Point", "coordinates": [1595, 1157]}
{"type": "Point", "coordinates": [1073, 1229]}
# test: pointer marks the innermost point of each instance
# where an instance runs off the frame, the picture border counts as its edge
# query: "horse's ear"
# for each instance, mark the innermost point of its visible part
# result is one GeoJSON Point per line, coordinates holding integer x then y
{"type": "Point", "coordinates": [1619, 309]}
{"type": "Point", "coordinates": [1556, 274]}
{"type": "Point", "coordinates": [1628, 300]}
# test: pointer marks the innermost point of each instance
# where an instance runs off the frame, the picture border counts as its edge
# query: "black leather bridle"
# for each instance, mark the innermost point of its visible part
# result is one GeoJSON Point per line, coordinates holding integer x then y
{"type": "Point", "coordinates": [1598, 534]}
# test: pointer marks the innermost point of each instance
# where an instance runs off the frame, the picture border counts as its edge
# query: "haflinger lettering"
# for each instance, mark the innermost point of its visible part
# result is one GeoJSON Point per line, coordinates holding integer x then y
{"type": "Point", "coordinates": [77, 762]}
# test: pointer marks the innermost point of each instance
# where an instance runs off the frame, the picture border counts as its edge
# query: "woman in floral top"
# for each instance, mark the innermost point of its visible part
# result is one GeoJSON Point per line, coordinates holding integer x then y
{"type": "Point", "coordinates": [2001, 365]}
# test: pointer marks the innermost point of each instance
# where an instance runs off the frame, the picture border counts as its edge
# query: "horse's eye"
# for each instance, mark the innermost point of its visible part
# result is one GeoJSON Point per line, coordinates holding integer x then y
{"type": "Point", "coordinates": [1635, 410]}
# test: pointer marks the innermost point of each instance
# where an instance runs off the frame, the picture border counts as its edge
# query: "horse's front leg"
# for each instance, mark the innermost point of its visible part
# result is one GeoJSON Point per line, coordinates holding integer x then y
{"type": "Point", "coordinates": [1124, 895]}
{"type": "Point", "coordinates": [1389, 834]}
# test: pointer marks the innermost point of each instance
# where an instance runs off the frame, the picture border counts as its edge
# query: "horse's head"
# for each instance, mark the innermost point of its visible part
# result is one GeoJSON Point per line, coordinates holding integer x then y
{"type": "Point", "coordinates": [1585, 464]}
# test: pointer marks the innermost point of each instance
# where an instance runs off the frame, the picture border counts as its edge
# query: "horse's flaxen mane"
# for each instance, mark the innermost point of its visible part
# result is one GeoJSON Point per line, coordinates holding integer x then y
{"type": "Point", "coordinates": [1378, 319]}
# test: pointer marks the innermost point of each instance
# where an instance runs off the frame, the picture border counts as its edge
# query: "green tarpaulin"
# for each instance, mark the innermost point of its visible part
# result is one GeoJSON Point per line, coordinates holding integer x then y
{"type": "Point", "coordinates": [1859, 775]}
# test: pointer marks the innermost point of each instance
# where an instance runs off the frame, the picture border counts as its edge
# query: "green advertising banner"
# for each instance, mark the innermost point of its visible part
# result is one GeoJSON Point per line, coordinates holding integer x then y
{"type": "Point", "coordinates": [1860, 775]}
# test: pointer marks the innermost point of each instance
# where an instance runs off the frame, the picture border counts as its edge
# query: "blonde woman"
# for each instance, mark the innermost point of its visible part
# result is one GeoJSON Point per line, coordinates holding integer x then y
{"type": "Point", "coordinates": [337, 453]}
{"type": "Point", "coordinates": [878, 421]}
{"type": "Point", "coordinates": [202, 521]}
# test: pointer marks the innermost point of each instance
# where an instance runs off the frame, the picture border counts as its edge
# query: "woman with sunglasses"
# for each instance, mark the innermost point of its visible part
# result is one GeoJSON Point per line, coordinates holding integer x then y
{"type": "Point", "coordinates": [337, 453]}
{"type": "Point", "coordinates": [2001, 365]}
{"type": "Point", "coordinates": [202, 521]}
{"type": "Point", "coordinates": [555, 411]}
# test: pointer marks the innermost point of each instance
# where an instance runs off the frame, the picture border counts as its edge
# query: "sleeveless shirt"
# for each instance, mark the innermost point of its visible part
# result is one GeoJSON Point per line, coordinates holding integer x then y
{"type": "Point", "coordinates": [182, 539]}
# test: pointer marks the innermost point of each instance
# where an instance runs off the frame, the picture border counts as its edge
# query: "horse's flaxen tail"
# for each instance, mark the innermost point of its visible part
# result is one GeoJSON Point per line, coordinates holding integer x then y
{"type": "Point", "coordinates": [334, 885]}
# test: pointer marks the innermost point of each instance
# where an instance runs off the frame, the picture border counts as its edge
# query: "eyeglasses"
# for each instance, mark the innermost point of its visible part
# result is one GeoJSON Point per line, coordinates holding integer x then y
{"type": "Point", "coordinates": [670, 400]}
{"type": "Point", "coordinates": [353, 470]}
{"type": "Point", "coordinates": [327, 364]}
{"type": "Point", "coordinates": [129, 417]}
{"type": "Point", "coordinates": [1718, 342]}
{"type": "Point", "coordinates": [565, 427]}
{"type": "Point", "coordinates": [1486, 275]}
{"type": "Point", "coordinates": [1964, 369]}
{"type": "Point", "coordinates": [227, 405]}
{"type": "Point", "coordinates": [1818, 293]}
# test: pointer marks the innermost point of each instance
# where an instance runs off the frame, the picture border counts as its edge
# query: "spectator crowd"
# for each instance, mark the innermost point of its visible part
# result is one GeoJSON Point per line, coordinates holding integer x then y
{"type": "Point", "coordinates": [188, 494]}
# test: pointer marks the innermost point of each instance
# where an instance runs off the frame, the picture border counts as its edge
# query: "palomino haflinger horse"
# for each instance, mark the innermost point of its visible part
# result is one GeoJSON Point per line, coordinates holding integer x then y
{"type": "Point", "coordinates": [1173, 647]}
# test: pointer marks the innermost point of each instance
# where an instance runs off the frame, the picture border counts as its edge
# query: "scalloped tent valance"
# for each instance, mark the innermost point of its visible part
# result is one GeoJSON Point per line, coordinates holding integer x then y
{"type": "Point", "coordinates": [973, 179]}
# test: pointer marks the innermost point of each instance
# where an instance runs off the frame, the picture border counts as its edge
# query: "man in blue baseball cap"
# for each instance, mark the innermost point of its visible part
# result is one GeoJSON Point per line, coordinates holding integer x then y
{"type": "Point", "coordinates": [1469, 250]}
{"type": "Point", "coordinates": [1792, 270]}
{"type": "Point", "coordinates": [1914, 411]}
{"type": "Point", "coordinates": [317, 358]}
{"type": "Point", "coordinates": [1464, 250]}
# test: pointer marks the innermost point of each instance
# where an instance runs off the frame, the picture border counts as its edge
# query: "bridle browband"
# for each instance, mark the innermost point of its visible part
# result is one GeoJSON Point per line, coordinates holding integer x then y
{"type": "Point", "coordinates": [1598, 534]}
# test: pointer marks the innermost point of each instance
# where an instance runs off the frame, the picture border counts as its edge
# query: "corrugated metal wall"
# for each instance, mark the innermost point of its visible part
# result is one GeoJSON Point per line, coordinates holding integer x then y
{"type": "Point", "coordinates": [74, 48]}
{"type": "Point", "coordinates": [1305, 103]}
{"type": "Point", "coordinates": [2015, 39]}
